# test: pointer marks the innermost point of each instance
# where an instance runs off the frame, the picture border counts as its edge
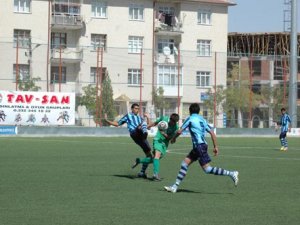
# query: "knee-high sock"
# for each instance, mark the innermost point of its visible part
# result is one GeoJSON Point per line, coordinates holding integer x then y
{"type": "Point", "coordinates": [181, 174]}
{"type": "Point", "coordinates": [146, 160]}
{"type": "Point", "coordinates": [217, 171]}
{"type": "Point", "coordinates": [156, 165]}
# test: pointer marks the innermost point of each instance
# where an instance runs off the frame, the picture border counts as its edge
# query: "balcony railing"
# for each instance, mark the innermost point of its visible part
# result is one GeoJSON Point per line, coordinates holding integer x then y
{"type": "Point", "coordinates": [67, 21]}
{"type": "Point", "coordinates": [66, 55]}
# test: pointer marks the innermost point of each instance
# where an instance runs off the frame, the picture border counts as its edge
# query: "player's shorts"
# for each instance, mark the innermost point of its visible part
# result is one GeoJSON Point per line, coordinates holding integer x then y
{"type": "Point", "coordinates": [160, 146]}
{"type": "Point", "coordinates": [139, 138]}
{"type": "Point", "coordinates": [200, 153]}
{"type": "Point", "coordinates": [282, 134]}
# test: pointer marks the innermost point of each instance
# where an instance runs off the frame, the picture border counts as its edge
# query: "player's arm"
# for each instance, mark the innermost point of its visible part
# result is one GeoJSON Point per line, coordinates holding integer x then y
{"type": "Point", "coordinates": [112, 123]}
{"type": "Point", "coordinates": [214, 140]}
{"type": "Point", "coordinates": [177, 134]}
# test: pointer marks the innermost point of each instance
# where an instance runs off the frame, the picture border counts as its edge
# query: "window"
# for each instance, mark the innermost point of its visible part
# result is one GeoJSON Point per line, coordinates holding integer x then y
{"type": "Point", "coordinates": [203, 79]}
{"type": "Point", "coordinates": [55, 74]}
{"type": "Point", "coordinates": [134, 76]}
{"type": "Point", "coordinates": [168, 75]}
{"type": "Point", "coordinates": [71, 7]}
{"type": "Point", "coordinates": [23, 37]}
{"type": "Point", "coordinates": [58, 40]}
{"type": "Point", "coordinates": [23, 72]}
{"type": "Point", "coordinates": [256, 67]}
{"type": "Point", "coordinates": [22, 6]}
{"type": "Point", "coordinates": [136, 12]}
{"type": "Point", "coordinates": [98, 40]}
{"type": "Point", "coordinates": [165, 43]}
{"type": "Point", "coordinates": [256, 88]}
{"type": "Point", "coordinates": [93, 73]}
{"type": "Point", "coordinates": [135, 44]}
{"type": "Point", "coordinates": [204, 47]}
{"type": "Point", "coordinates": [204, 17]}
{"type": "Point", "coordinates": [99, 9]}
{"type": "Point", "coordinates": [166, 10]}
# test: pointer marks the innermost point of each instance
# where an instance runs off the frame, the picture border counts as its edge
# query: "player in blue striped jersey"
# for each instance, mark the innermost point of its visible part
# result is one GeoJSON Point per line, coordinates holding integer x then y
{"type": "Point", "coordinates": [285, 123]}
{"type": "Point", "coordinates": [198, 127]}
{"type": "Point", "coordinates": [137, 128]}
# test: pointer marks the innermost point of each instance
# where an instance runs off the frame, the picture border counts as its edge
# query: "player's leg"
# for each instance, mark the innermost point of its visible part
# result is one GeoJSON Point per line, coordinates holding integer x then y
{"type": "Point", "coordinates": [156, 165]}
{"type": "Point", "coordinates": [182, 172]}
{"type": "Point", "coordinates": [283, 142]}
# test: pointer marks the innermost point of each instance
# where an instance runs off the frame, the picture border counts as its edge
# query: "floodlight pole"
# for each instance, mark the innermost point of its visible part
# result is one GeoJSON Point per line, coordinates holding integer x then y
{"type": "Point", "coordinates": [293, 66]}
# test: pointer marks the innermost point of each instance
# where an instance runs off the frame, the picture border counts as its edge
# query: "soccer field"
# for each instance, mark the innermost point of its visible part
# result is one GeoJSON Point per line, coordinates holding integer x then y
{"type": "Point", "coordinates": [89, 181]}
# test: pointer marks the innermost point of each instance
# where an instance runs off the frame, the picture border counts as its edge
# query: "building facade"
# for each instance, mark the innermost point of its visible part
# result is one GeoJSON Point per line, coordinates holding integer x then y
{"type": "Point", "coordinates": [142, 45]}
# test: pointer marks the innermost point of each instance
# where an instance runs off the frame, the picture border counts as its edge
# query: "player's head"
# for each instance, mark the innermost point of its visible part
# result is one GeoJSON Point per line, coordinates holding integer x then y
{"type": "Point", "coordinates": [174, 118]}
{"type": "Point", "coordinates": [194, 108]}
{"type": "Point", "coordinates": [135, 108]}
{"type": "Point", "coordinates": [283, 110]}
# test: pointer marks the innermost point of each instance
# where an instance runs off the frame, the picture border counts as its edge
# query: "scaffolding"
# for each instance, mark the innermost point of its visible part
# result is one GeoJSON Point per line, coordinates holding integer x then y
{"type": "Point", "coordinates": [260, 44]}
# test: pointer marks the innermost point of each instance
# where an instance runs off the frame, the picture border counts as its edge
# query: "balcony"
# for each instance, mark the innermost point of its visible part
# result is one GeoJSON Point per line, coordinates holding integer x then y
{"type": "Point", "coordinates": [63, 21]}
{"type": "Point", "coordinates": [66, 55]}
{"type": "Point", "coordinates": [166, 24]}
{"type": "Point", "coordinates": [161, 58]}
{"type": "Point", "coordinates": [171, 90]}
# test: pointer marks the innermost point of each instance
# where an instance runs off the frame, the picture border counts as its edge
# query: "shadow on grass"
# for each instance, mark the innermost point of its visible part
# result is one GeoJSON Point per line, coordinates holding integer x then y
{"type": "Point", "coordinates": [132, 177]}
{"type": "Point", "coordinates": [200, 192]}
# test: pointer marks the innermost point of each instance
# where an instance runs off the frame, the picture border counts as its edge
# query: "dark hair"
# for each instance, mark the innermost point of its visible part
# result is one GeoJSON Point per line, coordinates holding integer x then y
{"type": "Point", "coordinates": [174, 117]}
{"type": "Point", "coordinates": [194, 108]}
{"type": "Point", "coordinates": [134, 105]}
{"type": "Point", "coordinates": [282, 109]}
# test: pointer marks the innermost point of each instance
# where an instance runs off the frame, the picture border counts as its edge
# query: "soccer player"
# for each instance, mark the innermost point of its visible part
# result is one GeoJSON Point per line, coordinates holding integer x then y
{"type": "Point", "coordinates": [160, 143]}
{"type": "Point", "coordinates": [137, 128]}
{"type": "Point", "coordinates": [285, 123]}
{"type": "Point", "coordinates": [198, 126]}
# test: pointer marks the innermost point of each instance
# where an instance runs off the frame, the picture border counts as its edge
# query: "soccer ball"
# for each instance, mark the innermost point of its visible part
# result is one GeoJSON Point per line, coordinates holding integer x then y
{"type": "Point", "coordinates": [162, 125]}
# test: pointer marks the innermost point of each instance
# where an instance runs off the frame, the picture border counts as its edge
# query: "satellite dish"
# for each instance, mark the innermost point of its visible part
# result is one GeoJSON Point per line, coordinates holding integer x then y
{"type": "Point", "coordinates": [175, 50]}
{"type": "Point", "coordinates": [167, 51]}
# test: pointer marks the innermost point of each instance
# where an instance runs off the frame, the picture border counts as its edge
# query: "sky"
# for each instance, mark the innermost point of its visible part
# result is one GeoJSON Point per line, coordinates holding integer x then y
{"type": "Point", "coordinates": [259, 16]}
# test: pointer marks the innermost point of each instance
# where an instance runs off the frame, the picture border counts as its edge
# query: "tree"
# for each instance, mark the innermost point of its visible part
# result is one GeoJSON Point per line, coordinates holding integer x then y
{"type": "Point", "coordinates": [107, 100]}
{"type": "Point", "coordinates": [88, 99]}
{"type": "Point", "coordinates": [29, 84]}
{"type": "Point", "coordinates": [238, 94]}
{"type": "Point", "coordinates": [210, 102]}
{"type": "Point", "coordinates": [159, 101]}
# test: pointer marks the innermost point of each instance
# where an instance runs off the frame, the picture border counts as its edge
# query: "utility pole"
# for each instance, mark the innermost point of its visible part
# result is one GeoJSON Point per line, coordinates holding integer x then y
{"type": "Point", "coordinates": [293, 66]}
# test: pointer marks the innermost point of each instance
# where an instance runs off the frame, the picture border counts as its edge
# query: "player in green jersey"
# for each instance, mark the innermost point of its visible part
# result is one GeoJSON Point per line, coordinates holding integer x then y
{"type": "Point", "coordinates": [160, 143]}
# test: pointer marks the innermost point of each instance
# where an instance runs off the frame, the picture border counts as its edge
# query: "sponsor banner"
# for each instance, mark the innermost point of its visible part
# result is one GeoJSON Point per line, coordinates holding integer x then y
{"type": "Point", "coordinates": [9, 130]}
{"type": "Point", "coordinates": [37, 108]}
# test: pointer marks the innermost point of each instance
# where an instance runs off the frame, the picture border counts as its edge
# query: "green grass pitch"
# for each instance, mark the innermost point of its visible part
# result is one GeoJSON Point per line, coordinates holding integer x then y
{"type": "Point", "coordinates": [89, 181]}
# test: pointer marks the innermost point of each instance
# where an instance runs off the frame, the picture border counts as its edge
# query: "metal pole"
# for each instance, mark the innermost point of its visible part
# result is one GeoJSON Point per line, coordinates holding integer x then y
{"type": "Point", "coordinates": [17, 62]}
{"type": "Point", "coordinates": [250, 92]}
{"type": "Point", "coordinates": [48, 46]}
{"type": "Point", "coordinates": [293, 66]}
{"type": "Point", "coordinates": [97, 87]}
{"type": "Point", "coordinates": [60, 69]}
{"type": "Point", "coordinates": [141, 73]}
{"type": "Point", "coordinates": [178, 82]}
{"type": "Point", "coordinates": [101, 78]}
{"type": "Point", "coordinates": [215, 94]}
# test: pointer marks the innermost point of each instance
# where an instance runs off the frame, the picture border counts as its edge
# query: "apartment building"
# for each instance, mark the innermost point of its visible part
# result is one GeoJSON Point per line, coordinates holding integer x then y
{"type": "Point", "coordinates": [180, 45]}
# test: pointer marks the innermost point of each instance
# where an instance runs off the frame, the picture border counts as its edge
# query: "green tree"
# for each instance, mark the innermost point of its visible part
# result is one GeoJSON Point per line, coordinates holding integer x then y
{"type": "Point", "coordinates": [107, 100]}
{"type": "Point", "coordinates": [29, 84]}
{"type": "Point", "coordinates": [159, 101]}
{"type": "Point", "coordinates": [238, 95]}
{"type": "Point", "coordinates": [211, 101]}
{"type": "Point", "coordinates": [88, 99]}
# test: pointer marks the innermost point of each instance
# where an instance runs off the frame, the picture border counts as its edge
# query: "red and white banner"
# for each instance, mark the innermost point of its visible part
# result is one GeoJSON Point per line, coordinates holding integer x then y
{"type": "Point", "coordinates": [37, 108]}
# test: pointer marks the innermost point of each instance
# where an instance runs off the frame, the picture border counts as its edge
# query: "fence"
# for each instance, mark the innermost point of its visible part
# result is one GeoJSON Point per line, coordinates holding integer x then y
{"type": "Point", "coordinates": [232, 91]}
